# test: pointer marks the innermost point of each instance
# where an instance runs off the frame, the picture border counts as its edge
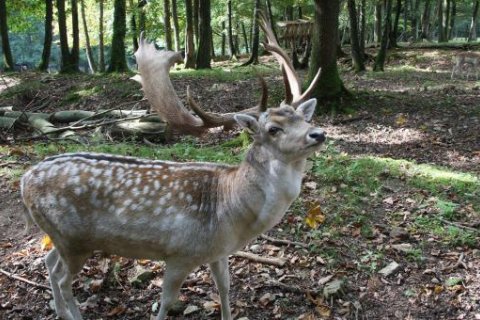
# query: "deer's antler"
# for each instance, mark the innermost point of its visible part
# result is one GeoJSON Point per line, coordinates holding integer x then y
{"type": "Point", "coordinates": [293, 85]}
{"type": "Point", "coordinates": [154, 67]}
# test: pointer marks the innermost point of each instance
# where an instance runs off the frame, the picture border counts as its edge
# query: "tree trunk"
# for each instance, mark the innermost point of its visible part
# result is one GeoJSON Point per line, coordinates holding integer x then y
{"type": "Point", "coordinates": [446, 19]}
{"type": "Point", "coordinates": [426, 21]}
{"type": "Point", "coordinates": [196, 19]}
{"type": "Point", "coordinates": [47, 42]}
{"type": "Point", "coordinates": [377, 31]}
{"type": "Point", "coordinates": [133, 25]}
{"type": "Point", "coordinates": [118, 61]}
{"type": "Point", "coordinates": [453, 15]}
{"type": "Point", "coordinates": [472, 35]}
{"type": "Point", "coordinates": [245, 38]}
{"type": "Point", "coordinates": [231, 46]}
{"type": "Point", "coordinates": [442, 37]}
{"type": "Point", "coordinates": [101, 49]}
{"type": "Point", "coordinates": [268, 4]}
{"type": "Point", "coordinates": [414, 18]}
{"type": "Point", "coordinates": [66, 61]}
{"type": "Point", "coordinates": [167, 25]}
{"type": "Point", "coordinates": [189, 36]}
{"type": "Point", "coordinates": [75, 52]}
{"type": "Point", "coordinates": [176, 26]}
{"type": "Point", "coordinates": [223, 51]}
{"type": "Point", "coordinates": [324, 50]}
{"type": "Point", "coordinates": [357, 55]}
{"type": "Point", "coordinates": [141, 15]}
{"type": "Point", "coordinates": [90, 59]}
{"type": "Point", "coordinates": [394, 30]}
{"type": "Point", "coordinates": [255, 36]}
{"type": "Point", "coordinates": [205, 35]}
{"type": "Point", "coordinates": [380, 59]}
{"type": "Point", "coordinates": [363, 25]}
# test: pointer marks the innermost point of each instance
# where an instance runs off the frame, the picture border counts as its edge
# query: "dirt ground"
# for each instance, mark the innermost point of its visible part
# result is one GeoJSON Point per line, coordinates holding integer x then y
{"type": "Point", "coordinates": [418, 115]}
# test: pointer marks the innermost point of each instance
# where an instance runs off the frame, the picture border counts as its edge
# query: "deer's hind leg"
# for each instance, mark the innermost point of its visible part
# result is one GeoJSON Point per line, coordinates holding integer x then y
{"type": "Point", "coordinates": [54, 266]}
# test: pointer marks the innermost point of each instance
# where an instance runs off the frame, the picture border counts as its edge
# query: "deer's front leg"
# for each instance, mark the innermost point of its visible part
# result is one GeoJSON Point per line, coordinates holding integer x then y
{"type": "Point", "coordinates": [221, 276]}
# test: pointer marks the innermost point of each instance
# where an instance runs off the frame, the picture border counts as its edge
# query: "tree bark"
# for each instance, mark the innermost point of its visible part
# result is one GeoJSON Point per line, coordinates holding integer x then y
{"type": "Point", "coordinates": [380, 59]}
{"type": "Point", "coordinates": [442, 37]}
{"type": "Point", "coordinates": [377, 30]}
{"type": "Point", "coordinates": [66, 61]}
{"type": "Point", "coordinates": [363, 25]}
{"type": "Point", "coordinates": [357, 55]}
{"type": "Point", "coordinates": [223, 51]}
{"type": "Point", "coordinates": [426, 21]}
{"type": "Point", "coordinates": [90, 59]}
{"type": "Point", "coordinates": [47, 41]}
{"type": "Point", "coordinates": [167, 25]}
{"type": "Point", "coordinates": [453, 15]}
{"type": "Point", "coordinates": [394, 29]}
{"type": "Point", "coordinates": [268, 5]}
{"type": "Point", "coordinates": [324, 51]}
{"type": "Point", "coordinates": [196, 8]}
{"type": "Point", "coordinates": [205, 35]}
{"type": "Point", "coordinates": [176, 26]}
{"type": "Point", "coordinates": [101, 49]}
{"type": "Point", "coordinates": [245, 38]}
{"type": "Point", "coordinates": [75, 52]}
{"type": "Point", "coordinates": [7, 51]}
{"type": "Point", "coordinates": [472, 35]}
{"type": "Point", "coordinates": [446, 18]}
{"type": "Point", "coordinates": [118, 61]}
{"type": "Point", "coordinates": [133, 25]}
{"type": "Point", "coordinates": [255, 36]}
{"type": "Point", "coordinates": [231, 46]}
{"type": "Point", "coordinates": [189, 36]}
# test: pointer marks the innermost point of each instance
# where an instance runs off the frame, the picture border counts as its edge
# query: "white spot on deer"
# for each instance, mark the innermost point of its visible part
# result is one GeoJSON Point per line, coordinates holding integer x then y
{"type": "Point", "coordinates": [181, 195]}
{"type": "Point", "coordinates": [168, 196]}
{"type": "Point", "coordinates": [112, 208]}
{"type": "Point", "coordinates": [157, 185]}
{"type": "Point", "coordinates": [138, 180]}
{"type": "Point", "coordinates": [162, 201]}
{"type": "Point", "coordinates": [78, 191]}
{"type": "Point", "coordinates": [148, 203]}
{"type": "Point", "coordinates": [189, 198]}
{"type": "Point", "coordinates": [157, 211]}
{"type": "Point", "coordinates": [63, 202]}
{"type": "Point", "coordinates": [127, 202]}
{"type": "Point", "coordinates": [185, 183]}
{"type": "Point", "coordinates": [165, 177]}
{"type": "Point", "coordinates": [146, 189]}
{"type": "Point", "coordinates": [129, 183]}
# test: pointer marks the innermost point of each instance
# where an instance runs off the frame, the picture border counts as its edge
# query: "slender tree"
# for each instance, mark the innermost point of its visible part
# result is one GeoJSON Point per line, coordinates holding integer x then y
{"type": "Point", "coordinates": [231, 46]}
{"type": "Point", "coordinates": [88, 47]}
{"type": "Point", "coordinates": [196, 8]}
{"type": "Point", "coordinates": [472, 35]}
{"type": "Point", "coordinates": [176, 25]}
{"type": "Point", "coordinates": [205, 36]}
{"type": "Point", "coordinates": [118, 61]}
{"type": "Point", "coordinates": [377, 30]}
{"type": "Point", "coordinates": [380, 58]}
{"type": "Point", "coordinates": [363, 25]}
{"type": "Point", "coordinates": [245, 37]}
{"type": "Point", "coordinates": [167, 25]}
{"type": "Point", "coordinates": [66, 59]}
{"type": "Point", "coordinates": [133, 24]}
{"type": "Point", "coordinates": [394, 28]}
{"type": "Point", "coordinates": [75, 52]}
{"type": "Point", "coordinates": [47, 41]}
{"type": "Point", "coordinates": [426, 21]}
{"type": "Point", "coordinates": [357, 55]}
{"type": "Point", "coordinates": [324, 50]}
{"type": "Point", "coordinates": [101, 49]}
{"type": "Point", "coordinates": [189, 36]}
{"type": "Point", "coordinates": [255, 45]}
{"type": "Point", "coordinates": [442, 36]}
{"type": "Point", "coordinates": [453, 15]}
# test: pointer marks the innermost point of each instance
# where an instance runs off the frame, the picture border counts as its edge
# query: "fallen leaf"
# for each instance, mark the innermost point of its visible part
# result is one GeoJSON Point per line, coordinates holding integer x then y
{"type": "Point", "coordinates": [315, 217]}
{"type": "Point", "coordinates": [118, 310]}
{"type": "Point", "coordinates": [401, 120]}
{"type": "Point", "coordinates": [46, 243]}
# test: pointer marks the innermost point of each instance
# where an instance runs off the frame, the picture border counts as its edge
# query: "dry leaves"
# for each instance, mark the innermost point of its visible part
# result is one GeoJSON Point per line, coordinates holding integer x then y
{"type": "Point", "coordinates": [315, 217]}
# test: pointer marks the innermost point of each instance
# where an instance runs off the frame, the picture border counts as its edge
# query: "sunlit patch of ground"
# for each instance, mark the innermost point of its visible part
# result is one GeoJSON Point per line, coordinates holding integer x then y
{"type": "Point", "coordinates": [7, 82]}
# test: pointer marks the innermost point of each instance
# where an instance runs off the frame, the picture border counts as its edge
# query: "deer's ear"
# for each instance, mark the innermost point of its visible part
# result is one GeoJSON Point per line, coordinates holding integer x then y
{"type": "Point", "coordinates": [307, 109]}
{"type": "Point", "coordinates": [247, 122]}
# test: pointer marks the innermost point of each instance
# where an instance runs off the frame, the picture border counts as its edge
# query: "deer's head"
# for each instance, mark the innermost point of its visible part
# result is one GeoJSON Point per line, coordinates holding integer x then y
{"type": "Point", "coordinates": [285, 132]}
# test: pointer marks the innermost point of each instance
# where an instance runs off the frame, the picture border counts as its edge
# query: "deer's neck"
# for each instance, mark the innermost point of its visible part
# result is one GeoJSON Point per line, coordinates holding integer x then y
{"type": "Point", "coordinates": [259, 192]}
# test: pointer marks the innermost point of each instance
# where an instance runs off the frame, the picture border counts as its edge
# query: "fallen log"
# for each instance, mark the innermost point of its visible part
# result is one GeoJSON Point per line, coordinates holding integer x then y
{"type": "Point", "coordinates": [7, 123]}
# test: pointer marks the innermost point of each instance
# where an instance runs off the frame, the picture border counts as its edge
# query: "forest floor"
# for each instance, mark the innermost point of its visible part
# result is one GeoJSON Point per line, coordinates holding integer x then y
{"type": "Point", "coordinates": [397, 186]}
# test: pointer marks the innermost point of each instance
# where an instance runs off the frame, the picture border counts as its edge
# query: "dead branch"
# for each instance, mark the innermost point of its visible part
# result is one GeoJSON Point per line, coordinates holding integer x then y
{"type": "Point", "coordinates": [459, 225]}
{"type": "Point", "coordinates": [19, 278]}
{"type": "Point", "coordinates": [284, 241]}
{"type": "Point", "coordinates": [256, 258]}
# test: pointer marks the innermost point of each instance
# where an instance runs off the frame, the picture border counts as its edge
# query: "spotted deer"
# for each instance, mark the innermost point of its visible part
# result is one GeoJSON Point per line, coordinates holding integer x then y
{"type": "Point", "coordinates": [186, 214]}
{"type": "Point", "coordinates": [466, 62]}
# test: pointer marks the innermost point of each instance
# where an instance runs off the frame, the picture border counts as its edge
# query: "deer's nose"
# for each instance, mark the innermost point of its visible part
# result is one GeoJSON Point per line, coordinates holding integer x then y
{"type": "Point", "coordinates": [317, 135]}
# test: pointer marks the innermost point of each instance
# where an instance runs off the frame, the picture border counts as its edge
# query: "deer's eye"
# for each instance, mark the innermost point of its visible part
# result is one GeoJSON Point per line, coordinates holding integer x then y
{"type": "Point", "coordinates": [274, 130]}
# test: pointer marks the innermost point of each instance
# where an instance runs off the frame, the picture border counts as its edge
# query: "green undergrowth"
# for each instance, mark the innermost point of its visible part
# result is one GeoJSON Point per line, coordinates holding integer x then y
{"type": "Point", "coordinates": [225, 74]}
{"type": "Point", "coordinates": [353, 190]}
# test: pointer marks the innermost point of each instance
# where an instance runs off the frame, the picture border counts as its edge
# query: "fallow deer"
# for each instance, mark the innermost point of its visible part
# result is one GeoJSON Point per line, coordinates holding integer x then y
{"type": "Point", "coordinates": [466, 62]}
{"type": "Point", "coordinates": [187, 214]}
